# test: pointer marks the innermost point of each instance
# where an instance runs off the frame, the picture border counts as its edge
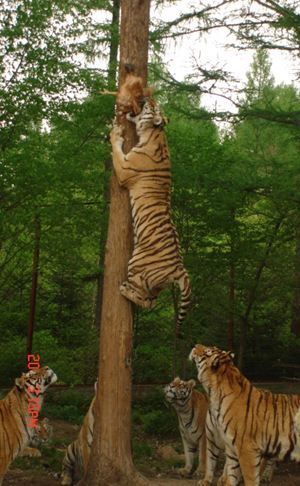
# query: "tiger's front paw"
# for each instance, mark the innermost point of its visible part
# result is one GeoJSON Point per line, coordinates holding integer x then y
{"type": "Point", "coordinates": [30, 452]}
{"type": "Point", "coordinates": [222, 480]}
{"type": "Point", "coordinates": [116, 134]}
{"type": "Point", "coordinates": [66, 479]}
{"type": "Point", "coordinates": [184, 472]}
{"type": "Point", "coordinates": [200, 473]}
{"type": "Point", "coordinates": [204, 482]}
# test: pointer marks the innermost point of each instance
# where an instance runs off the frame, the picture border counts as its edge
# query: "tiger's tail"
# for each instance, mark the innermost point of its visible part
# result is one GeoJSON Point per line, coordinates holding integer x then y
{"type": "Point", "coordinates": [185, 300]}
{"type": "Point", "coordinates": [68, 465]}
{"type": "Point", "coordinates": [297, 422]}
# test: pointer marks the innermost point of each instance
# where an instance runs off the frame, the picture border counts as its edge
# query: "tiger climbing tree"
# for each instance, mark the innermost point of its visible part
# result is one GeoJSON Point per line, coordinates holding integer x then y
{"type": "Point", "coordinates": [111, 460]}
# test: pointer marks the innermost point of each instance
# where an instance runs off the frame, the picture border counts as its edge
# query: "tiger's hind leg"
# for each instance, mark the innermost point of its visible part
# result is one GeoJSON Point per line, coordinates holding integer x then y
{"type": "Point", "coordinates": [137, 297]}
{"type": "Point", "coordinates": [267, 470]}
{"type": "Point", "coordinates": [231, 475]}
{"type": "Point", "coordinates": [250, 464]}
{"type": "Point", "coordinates": [214, 446]}
{"type": "Point", "coordinates": [200, 472]}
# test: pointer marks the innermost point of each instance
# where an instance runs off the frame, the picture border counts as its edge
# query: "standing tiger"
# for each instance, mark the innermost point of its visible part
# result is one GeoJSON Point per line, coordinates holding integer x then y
{"type": "Point", "coordinates": [254, 424]}
{"type": "Point", "coordinates": [16, 431]}
{"type": "Point", "coordinates": [145, 171]}
{"type": "Point", "coordinates": [77, 456]}
{"type": "Point", "coordinates": [191, 407]}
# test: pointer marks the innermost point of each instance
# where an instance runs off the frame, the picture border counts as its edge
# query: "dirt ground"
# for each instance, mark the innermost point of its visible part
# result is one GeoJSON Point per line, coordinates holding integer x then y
{"type": "Point", "coordinates": [43, 473]}
{"type": "Point", "coordinates": [287, 475]}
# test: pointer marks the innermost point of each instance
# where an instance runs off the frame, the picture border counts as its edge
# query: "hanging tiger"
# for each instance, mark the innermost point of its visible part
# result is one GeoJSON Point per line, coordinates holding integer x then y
{"type": "Point", "coordinates": [15, 417]}
{"type": "Point", "coordinates": [253, 423]}
{"type": "Point", "coordinates": [145, 171]}
{"type": "Point", "coordinates": [77, 455]}
{"type": "Point", "coordinates": [191, 407]}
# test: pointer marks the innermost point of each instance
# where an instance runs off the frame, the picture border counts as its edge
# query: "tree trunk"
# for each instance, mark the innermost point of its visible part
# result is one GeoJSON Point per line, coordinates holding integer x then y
{"type": "Point", "coordinates": [34, 282]}
{"type": "Point", "coordinates": [114, 45]}
{"type": "Point", "coordinates": [111, 460]}
{"type": "Point", "coordinates": [111, 84]}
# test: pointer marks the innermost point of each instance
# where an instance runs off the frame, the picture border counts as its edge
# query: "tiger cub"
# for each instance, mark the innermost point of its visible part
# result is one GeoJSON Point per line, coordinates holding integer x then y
{"type": "Point", "coordinates": [16, 431]}
{"type": "Point", "coordinates": [77, 456]}
{"type": "Point", "coordinates": [145, 171]}
{"type": "Point", "coordinates": [191, 408]}
{"type": "Point", "coordinates": [253, 423]}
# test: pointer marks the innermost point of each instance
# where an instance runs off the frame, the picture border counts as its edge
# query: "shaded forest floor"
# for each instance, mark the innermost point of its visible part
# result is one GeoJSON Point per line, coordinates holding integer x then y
{"type": "Point", "coordinates": [159, 467]}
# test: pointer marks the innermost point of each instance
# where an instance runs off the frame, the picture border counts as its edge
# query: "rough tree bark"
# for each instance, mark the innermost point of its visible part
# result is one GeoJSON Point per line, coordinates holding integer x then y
{"type": "Point", "coordinates": [111, 84]}
{"type": "Point", "coordinates": [111, 460]}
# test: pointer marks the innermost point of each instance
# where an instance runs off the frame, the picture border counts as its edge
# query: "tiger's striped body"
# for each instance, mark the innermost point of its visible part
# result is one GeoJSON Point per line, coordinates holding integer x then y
{"type": "Point", "coordinates": [254, 424]}
{"type": "Point", "coordinates": [145, 171]}
{"type": "Point", "coordinates": [191, 407]}
{"type": "Point", "coordinates": [16, 432]}
{"type": "Point", "coordinates": [77, 456]}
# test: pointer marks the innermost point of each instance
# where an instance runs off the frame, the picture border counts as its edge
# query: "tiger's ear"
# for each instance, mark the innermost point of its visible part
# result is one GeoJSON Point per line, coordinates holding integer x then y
{"type": "Point", "coordinates": [160, 121]}
{"type": "Point", "coordinates": [176, 380]}
{"type": "Point", "coordinates": [216, 363]}
{"type": "Point", "coordinates": [192, 383]}
{"type": "Point", "coordinates": [225, 357]}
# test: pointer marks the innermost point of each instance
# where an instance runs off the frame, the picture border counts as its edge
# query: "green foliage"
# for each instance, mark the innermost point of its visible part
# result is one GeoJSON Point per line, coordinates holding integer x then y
{"type": "Point", "coordinates": [141, 449]}
{"type": "Point", "coordinates": [67, 404]}
{"type": "Point", "coordinates": [152, 416]}
{"type": "Point", "coordinates": [235, 204]}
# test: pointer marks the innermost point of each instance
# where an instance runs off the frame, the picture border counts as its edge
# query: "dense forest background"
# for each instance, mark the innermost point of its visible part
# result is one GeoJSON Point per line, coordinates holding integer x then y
{"type": "Point", "coordinates": [235, 199]}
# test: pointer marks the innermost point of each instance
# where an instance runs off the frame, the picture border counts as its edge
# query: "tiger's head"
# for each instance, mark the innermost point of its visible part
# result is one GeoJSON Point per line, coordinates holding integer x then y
{"type": "Point", "coordinates": [179, 391]}
{"type": "Point", "coordinates": [150, 117]}
{"type": "Point", "coordinates": [209, 360]}
{"type": "Point", "coordinates": [36, 382]}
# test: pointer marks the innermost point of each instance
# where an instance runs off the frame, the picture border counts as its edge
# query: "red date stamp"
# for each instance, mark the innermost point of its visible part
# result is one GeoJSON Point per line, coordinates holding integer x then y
{"type": "Point", "coordinates": [34, 404]}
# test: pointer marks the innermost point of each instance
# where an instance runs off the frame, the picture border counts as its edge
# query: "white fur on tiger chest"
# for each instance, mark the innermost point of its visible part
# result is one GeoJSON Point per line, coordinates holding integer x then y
{"type": "Point", "coordinates": [190, 431]}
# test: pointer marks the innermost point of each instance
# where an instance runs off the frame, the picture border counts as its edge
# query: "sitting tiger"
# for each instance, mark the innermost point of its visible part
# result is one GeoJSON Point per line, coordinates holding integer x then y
{"type": "Point", "coordinates": [145, 171]}
{"type": "Point", "coordinates": [253, 423]}
{"type": "Point", "coordinates": [191, 407]}
{"type": "Point", "coordinates": [16, 430]}
{"type": "Point", "coordinates": [77, 456]}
